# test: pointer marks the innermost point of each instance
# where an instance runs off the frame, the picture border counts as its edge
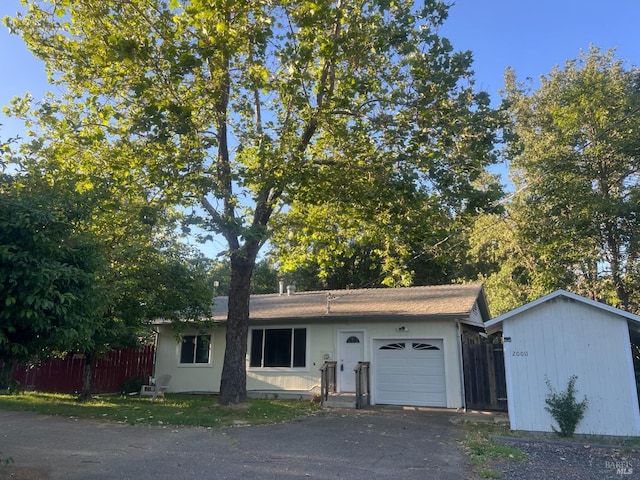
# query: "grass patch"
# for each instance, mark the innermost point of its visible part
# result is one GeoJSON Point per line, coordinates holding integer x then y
{"type": "Point", "coordinates": [189, 410]}
{"type": "Point", "coordinates": [482, 451]}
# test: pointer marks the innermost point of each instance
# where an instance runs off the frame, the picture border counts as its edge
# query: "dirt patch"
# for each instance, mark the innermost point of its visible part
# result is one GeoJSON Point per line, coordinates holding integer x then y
{"type": "Point", "coordinates": [14, 472]}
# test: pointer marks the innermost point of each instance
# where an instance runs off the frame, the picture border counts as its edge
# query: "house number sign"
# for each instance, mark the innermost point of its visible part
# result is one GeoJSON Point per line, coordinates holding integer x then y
{"type": "Point", "coordinates": [520, 353]}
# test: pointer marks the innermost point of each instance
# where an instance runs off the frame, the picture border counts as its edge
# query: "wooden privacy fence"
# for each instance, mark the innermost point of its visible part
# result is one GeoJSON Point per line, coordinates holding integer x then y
{"type": "Point", "coordinates": [484, 379]}
{"type": "Point", "coordinates": [64, 375]}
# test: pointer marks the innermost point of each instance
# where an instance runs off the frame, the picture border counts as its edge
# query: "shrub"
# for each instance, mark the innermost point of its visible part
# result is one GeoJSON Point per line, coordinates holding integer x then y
{"type": "Point", "coordinates": [564, 408]}
{"type": "Point", "coordinates": [132, 385]}
{"type": "Point", "coordinates": [9, 387]}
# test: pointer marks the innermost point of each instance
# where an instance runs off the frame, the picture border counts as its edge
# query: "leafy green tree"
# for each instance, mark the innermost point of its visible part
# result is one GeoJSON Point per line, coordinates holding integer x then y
{"type": "Point", "coordinates": [67, 289]}
{"type": "Point", "coordinates": [50, 288]}
{"type": "Point", "coordinates": [144, 273]}
{"type": "Point", "coordinates": [507, 264]}
{"type": "Point", "coordinates": [144, 282]}
{"type": "Point", "coordinates": [573, 148]}
{"type": "Point", "coordinates": [264, 279]}
{"type": "Point", "coordinates": [413, 238]}
{"type": "Point", "coordinates": [247, 106]}
{"type": "Point", "coordinates": [147, 273]}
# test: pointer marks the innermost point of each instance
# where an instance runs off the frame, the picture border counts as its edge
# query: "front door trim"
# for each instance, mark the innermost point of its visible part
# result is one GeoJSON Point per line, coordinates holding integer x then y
{"type": "Point", "coordinates": [349, 354]}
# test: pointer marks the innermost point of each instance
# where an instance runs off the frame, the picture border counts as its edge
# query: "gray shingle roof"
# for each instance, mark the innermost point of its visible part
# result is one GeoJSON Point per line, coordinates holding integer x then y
{"type": "Point", "coordinates": [443, 301]}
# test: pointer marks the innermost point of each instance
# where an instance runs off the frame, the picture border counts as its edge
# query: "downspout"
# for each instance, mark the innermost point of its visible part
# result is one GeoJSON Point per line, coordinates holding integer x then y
{"type": "Point", "coordinates": [156, 335]}
{"type": "Point", "coordinates": [464, 393]}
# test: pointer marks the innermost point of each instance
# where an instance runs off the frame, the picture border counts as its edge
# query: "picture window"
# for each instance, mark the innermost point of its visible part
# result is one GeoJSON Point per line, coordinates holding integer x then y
{"type": "Point", "coordinates": [278, 347]}
{"type": "Point", "coordinates": [195, 349]}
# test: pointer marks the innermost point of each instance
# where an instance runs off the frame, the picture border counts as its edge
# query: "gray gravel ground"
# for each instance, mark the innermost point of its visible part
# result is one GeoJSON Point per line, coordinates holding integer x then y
{"type": "Point", "coordinates": [547, 460]}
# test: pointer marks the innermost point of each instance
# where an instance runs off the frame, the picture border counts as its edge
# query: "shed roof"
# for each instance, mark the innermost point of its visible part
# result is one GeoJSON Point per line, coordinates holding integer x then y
{"type": "Point", "coordinates": [456, 301]}
{"type": "Point", "coordinates": [495, 325]}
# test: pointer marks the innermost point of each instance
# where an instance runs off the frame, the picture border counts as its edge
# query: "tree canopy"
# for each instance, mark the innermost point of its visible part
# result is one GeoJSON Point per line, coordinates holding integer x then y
{"type": "Point", "coordinates": [256, 109]}
{"type": "Point", "coordinates": [85, 270]}
{"type": "Point", "coordinates": [50, 288]}
{"type": "Point", "coordinates": [573, 147]}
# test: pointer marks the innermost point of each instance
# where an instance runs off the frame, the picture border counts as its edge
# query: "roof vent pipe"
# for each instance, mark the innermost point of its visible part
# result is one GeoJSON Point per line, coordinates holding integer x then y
{"type": "Point", "coordinates": [281, 283]}
{"type": "Point", "coordinates": [291, 289]}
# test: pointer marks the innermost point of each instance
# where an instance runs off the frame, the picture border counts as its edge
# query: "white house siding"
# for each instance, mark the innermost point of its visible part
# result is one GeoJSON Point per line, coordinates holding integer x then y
{"type": "Point", "coordinates": [322, 338]}
{"type": "Point", "coordinates": [303, 381]}
{"type": "Point", "coordinates": [189, 378]}
{"type": "Point", "coordinates": [560, 338]}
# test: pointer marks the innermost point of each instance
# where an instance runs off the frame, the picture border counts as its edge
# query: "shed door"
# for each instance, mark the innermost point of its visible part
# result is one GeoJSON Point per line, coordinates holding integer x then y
{"type": "Point", "coordinates": [410, 372]}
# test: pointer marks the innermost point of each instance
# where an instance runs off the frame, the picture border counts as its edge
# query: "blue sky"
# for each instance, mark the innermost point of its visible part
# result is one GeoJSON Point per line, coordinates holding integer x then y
{"type": "Point", "coordinates": [534, 36]}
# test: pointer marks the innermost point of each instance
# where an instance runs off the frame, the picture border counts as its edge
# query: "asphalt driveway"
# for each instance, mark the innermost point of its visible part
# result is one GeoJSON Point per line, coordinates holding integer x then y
{"type": "Point", "coordinates": [380, 444]}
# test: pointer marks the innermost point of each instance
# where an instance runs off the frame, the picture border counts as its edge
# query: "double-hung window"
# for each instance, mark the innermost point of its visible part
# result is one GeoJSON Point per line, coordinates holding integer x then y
{"type": "Point", "coordinates": [278, 347]}
{"type": "Point", "coordinates": [195, 349]}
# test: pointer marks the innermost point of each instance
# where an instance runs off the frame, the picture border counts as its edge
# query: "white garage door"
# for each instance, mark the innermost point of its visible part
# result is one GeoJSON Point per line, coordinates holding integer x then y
{"type": "Point", "coordinates": [410, 372]}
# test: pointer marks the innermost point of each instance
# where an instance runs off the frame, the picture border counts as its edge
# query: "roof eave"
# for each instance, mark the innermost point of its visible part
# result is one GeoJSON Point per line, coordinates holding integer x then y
{"type": "Point", "coordinates": [365, 317]}
{"type": "Point", "coordinates": [495, 325]}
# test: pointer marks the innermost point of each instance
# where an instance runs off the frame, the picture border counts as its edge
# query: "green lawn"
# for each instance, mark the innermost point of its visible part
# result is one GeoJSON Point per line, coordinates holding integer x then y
{"type": "Point", "coordinates": [192, 410]}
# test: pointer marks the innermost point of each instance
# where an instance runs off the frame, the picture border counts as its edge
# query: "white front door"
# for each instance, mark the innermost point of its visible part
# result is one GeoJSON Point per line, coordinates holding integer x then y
{"type": "Point", "coordinates": [351, 352]}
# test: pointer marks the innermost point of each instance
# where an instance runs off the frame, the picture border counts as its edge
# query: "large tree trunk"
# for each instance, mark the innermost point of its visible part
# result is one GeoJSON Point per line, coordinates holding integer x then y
{"type": "Point", "coordinates": [233, 384]}
{"type": "Point", "coordinates": [86, 376]}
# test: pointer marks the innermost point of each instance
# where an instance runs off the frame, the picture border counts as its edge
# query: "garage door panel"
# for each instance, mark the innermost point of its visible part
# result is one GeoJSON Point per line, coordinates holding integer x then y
{"type": "Point", "coordinates": [391, 363]}
{"type": "Point", "coordinates": [432, 383]}
{"type": "Point", "coordinates": [410, 372]}
{"type": "Point", "coordinates": [425, 365]}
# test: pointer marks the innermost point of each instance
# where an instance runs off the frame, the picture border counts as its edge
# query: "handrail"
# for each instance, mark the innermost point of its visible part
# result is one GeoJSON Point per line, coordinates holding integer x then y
{"type": "Point", "coordinates": [327, 380]}
{"type": "Point", "coordinates": [363, 383]}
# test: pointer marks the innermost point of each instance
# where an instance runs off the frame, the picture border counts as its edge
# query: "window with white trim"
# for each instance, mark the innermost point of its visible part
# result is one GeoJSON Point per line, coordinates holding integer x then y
{"type": "Point", "coordinates": [278, 347]}
{"type": "Point", "coordinates": [195, 349]}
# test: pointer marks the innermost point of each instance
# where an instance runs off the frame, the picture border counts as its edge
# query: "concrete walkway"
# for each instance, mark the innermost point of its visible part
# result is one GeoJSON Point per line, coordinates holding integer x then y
{"type": "Point", "coordinates": [363, 444]}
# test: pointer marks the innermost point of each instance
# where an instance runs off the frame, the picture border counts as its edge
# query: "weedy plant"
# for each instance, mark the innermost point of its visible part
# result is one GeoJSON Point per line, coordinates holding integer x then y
{"type": "Point", "coordinates": [483, 451]}
{"type": "Point", "coordinates": [564, 408]}
{"type": "Point", "coordinates": [6, 460]}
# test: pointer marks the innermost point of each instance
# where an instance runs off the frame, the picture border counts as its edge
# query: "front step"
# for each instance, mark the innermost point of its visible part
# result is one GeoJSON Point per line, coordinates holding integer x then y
{"type": "Point", "coordinates": [340, 400]}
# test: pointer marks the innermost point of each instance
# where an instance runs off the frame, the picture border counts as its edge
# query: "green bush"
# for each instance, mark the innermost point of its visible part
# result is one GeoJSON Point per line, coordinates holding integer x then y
{"type": "Point", "coordinates": [9, 387]}
{"type": "Point", "coordinates": [564, 408]}
{"type": "Point", "coordinates": [132, 385]}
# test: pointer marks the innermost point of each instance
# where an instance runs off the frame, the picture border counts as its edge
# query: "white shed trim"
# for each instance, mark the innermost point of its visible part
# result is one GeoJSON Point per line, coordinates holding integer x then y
{"type": "Point", "coordinates": [495, 325]}
{"type": "Point", "coordinates": [632, 381]}
{"type": "Point", "coordinates": [506, 347]}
